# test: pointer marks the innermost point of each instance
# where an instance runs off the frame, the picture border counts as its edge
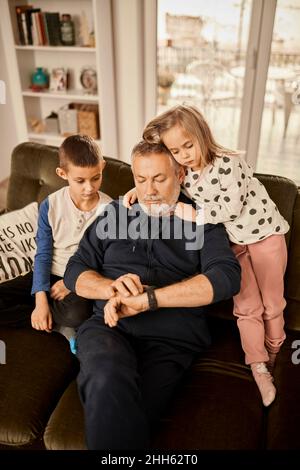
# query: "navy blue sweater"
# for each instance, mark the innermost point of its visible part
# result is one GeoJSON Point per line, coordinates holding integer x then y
{"type": "Point", "coordinates": [158, 261]}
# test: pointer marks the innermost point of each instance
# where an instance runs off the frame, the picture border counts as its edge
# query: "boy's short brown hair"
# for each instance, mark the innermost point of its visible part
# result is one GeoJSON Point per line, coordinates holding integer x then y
{"type": "Point", "coordinates": [80, 150]}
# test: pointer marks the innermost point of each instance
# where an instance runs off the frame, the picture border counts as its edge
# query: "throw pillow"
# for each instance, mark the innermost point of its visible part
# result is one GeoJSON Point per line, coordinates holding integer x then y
{"type": "Point", "coordinates": [17, 242]}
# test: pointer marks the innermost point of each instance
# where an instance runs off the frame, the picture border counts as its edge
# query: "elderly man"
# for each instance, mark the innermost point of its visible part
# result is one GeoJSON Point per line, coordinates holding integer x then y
{"type": "Point", "coordinates": [150, 295]}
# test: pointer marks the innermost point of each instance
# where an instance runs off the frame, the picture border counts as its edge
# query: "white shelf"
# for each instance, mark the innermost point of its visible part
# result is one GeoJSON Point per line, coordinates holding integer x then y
{"type": "Point", "coordinates": [22, 60]}
{"type": "Point", "coordinates": [68, 95]}
{"type": "Point", "coordinates": [56, 48]}
{"type": "Point", "coordinates": [54, 138]}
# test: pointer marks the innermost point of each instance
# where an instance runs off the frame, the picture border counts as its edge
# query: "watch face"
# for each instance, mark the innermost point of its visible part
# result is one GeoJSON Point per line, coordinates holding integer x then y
{"type": "Point", "coordinates": [88, 80]}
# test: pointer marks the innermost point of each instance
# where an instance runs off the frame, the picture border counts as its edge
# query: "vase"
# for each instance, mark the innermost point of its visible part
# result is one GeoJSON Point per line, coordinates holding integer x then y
{"type": "Point", "coordinates": [39, 79]}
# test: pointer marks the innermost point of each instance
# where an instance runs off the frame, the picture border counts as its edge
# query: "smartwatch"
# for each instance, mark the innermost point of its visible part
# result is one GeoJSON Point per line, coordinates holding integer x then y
{"type": "Point", "coordinates": [152, 298]}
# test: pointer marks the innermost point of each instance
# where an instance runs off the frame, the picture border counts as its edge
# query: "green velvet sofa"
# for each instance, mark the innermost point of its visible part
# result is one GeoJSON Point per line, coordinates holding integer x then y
{"type": "Point", "coordinates": [218, 405]}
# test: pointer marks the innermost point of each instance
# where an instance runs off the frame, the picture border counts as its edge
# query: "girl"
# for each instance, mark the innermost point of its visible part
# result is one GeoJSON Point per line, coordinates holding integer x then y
{"type": "Point", "coordinates": [222, 184]}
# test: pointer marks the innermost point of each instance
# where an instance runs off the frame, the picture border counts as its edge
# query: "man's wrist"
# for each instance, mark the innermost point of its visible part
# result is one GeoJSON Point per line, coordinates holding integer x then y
{"type": "Point", "coordinates": [109, 291]}
{"type": "Point", "coordinates": [151, 297]}
{"type": "Point", "coordinates": [145, 303]}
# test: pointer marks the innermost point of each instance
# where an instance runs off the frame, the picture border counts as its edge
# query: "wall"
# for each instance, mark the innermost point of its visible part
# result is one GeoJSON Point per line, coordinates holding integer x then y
{"type": "Point", "coordinates": [134, 29]}
{"type": "Point", "coordinates": [8, 131]}
{"type": "Point", "coordinates": [127, 27]}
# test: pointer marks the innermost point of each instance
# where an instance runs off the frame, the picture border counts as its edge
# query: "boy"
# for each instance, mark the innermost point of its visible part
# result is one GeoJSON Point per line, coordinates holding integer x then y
{"type": "Point", "coordinates": [63, 218]}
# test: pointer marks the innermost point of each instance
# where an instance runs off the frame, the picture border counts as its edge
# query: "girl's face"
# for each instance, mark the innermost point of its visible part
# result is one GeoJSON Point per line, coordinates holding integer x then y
{"type": "Point", "coordinates": [183, 146]}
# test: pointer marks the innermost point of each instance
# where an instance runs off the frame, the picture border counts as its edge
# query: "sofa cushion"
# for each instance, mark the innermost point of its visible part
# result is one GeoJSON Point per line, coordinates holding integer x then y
{"type": "Point", "coordinates": [219, 405]}
{"type": "Point", "coordinates": [17, 243]}
{"type": "Point", "coordinates": [283, 192]}
{"type": "Point", "coordinates": [219, 385]}
{"type": "Point", "coordinates": [65, 429]}
{"type": "Point", "coordinates": [284, 416]}
{"type": "Point", "coordinates": [39, 366]}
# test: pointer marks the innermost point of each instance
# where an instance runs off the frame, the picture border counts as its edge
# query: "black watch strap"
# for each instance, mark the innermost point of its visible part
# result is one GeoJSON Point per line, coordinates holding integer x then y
{"type": "Point", "coordinates": [152, 298]}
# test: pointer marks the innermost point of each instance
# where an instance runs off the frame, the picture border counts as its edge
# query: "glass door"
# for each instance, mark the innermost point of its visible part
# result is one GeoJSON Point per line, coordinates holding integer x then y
{"type": "Point", "coordinates": [279, 146]}
{"type": "Point", "coordinates": [201, 59]}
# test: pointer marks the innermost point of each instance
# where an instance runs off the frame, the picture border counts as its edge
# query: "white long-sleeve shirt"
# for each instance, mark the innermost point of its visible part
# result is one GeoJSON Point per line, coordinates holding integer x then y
{"type": "Point", "coordinates": [228, 193]}
{"type": "Point", "coordinates": [61, 226]}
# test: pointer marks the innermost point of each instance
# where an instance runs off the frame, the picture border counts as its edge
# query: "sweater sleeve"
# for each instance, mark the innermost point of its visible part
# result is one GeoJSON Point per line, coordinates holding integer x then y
{"type": "Point", "coordinates": [43, 257]}
{"type": "Point", "coordinates": [231, 184]}
{"type": "Point", "coordinates": [219, 264]}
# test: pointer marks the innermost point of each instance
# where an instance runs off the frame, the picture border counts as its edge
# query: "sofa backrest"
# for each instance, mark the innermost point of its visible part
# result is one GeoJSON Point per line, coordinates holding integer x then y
{"type": "Point", "coordinates": [33, 177]}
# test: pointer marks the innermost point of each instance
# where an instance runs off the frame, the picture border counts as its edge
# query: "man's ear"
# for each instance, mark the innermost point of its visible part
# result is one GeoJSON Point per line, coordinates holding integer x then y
{"type": "Point", "coordinates": [103, 164]}
{"type": "Point", "coordinates": [181, 174]}
{"type": "Point", "coordinates": [61, 173]}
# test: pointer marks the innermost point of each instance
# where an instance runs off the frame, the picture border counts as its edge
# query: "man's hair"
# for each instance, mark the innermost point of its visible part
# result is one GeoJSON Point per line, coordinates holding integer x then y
{"type": "Point", "coordinates": [80, 150]}
{"type": "Point", "coordinates": [144, 149]}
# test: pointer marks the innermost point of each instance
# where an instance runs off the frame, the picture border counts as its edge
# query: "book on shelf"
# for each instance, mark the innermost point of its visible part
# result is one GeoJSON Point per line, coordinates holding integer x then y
{"type": "Point", "coordinates": [37, 28]}
{"type": "Point", "coordinates": [21, 23]}
{"type": "Point", "coordinates": [53, 28]}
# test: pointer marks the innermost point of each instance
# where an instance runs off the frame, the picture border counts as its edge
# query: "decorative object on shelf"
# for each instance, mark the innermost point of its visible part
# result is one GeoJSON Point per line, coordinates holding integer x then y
{"type": "Point", "coordinates": [84, 32]}
{"type": "Point", "coordinates": [67, 120]}
{"type": "Point", "coordinates": [88, 119]}
{"type": "Point", "coordinates": [37, 125]}
{"type": "Point", "coordinates": [51, 123]}
{"type": "Point", "coordinates": [88, 80]}
{"type": "Point", "coordinates": [92, 42]}
{"type": "Point", "coordinates": [67, 31]}
{"type": "Point", "coordinates": [59, 79]}
{"type": "Point", "coordinates": [39, 79]}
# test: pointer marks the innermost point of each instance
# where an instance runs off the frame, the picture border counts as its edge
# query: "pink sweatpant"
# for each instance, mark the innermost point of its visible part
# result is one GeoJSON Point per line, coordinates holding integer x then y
{"type": "Point", "coordinates": [260, 303]}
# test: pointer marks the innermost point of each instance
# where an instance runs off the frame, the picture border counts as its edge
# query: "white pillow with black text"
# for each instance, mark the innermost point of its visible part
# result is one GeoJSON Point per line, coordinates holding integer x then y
{"type": "Point", "coordinates": [17, 242]}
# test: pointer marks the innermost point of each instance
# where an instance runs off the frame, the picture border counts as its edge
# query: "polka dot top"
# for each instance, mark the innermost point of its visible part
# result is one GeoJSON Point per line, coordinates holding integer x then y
{"type": "Point", "coordinates": [228, 193]}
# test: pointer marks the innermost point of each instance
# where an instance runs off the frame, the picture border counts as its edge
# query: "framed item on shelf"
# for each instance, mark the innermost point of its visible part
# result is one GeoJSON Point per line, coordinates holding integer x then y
{"type": "Point", "coordinates": [58, 79]}
{"type": "Point", "coordinates": [88, 80]}
{"type": "Point", "coordinates": [67, 121]}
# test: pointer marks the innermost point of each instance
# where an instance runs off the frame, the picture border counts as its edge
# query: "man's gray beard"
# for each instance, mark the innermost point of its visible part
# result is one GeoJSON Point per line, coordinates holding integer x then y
{"type": "Point", "coordinates": [161, 209]}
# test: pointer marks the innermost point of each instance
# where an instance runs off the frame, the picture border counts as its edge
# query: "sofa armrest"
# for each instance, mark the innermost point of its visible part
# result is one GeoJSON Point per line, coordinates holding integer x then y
{"type": "Point", "coordinates": [293, 272]}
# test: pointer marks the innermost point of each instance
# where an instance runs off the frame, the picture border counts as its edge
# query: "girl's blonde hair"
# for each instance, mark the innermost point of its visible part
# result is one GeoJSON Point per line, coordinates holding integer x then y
{"type": "Point", "coordinates": [193, 122]}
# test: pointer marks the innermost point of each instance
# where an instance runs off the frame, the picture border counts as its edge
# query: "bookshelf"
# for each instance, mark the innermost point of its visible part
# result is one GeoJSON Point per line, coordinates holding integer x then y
{"type": "Point", "coordinates": [22, 60]}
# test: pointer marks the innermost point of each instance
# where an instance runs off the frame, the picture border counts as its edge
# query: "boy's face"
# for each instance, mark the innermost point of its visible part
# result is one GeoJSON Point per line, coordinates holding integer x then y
{"type": "Point", "coordinates": [84, 182]}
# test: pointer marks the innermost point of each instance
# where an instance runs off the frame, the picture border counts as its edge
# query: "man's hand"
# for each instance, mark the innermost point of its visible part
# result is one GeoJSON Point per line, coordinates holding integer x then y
{"type": "Point", "coordinates": [127, 285]}
{"type": "Point", "coordinates": [59, 291]}
{"type": "Point", "coordinates": [41, 318]}
{"type": "Point", "coordinates": [120, 307]}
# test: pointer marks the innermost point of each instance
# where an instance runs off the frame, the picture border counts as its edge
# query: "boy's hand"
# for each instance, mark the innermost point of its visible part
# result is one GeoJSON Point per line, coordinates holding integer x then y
{"type": "Point", "coordinates": [185, 212]}
{"type": "Point", "coordinates": [59, 291]}
{"type": "Point", "coordinates": [129, 198]}
{"type": "Point", "coordinates": [41, 318]}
